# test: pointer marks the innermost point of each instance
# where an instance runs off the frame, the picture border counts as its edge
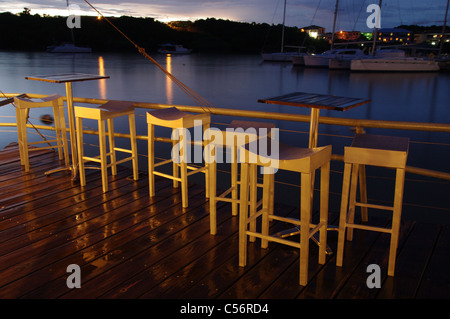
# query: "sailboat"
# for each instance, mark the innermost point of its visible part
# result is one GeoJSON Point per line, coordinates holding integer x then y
{"type": "Point", "coordinates": [443, 61]}
{"type": "Point", "coordinates": [282, 56]}
{"type": "Point", "coordinates": [68, 47]}
{"type": "Point", "coordinates": [322, 60]}
{"type": "Point", "coordinates": [393, 64]}
{"type": "Point", "coordinates": [406, 64]}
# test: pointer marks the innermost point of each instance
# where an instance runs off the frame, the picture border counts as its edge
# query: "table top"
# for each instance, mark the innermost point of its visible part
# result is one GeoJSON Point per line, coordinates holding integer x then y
{"type": "Point", "coordinates": [312, 100]}
{"type": "Point", "coordinates": [67, 77]}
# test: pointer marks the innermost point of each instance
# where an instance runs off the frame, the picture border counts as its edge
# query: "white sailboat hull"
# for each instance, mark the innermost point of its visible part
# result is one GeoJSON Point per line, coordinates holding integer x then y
{"type": "Point", "coordinates": [338, 64]}
{"type": "Point", "coordinates": [317, 61]}
{"type": "Point", "coordinates": [337, 58]}
{"type": "Point", "coordinates": [394, 65]}
{"type": "Point", "coordinates": [298, 60]}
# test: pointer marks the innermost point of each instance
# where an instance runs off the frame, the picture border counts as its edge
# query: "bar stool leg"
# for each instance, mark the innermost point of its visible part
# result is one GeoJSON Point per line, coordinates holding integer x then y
{"type": "Point", "coordinates": [253, 198]}
{"type": "Point", "coordinates": [324, 193]}
{"type": "Point", "coordinates": [207, 180]}
{"type": "Point", "coordinates": [183, 169]}
{"type": "Point", "coordinates": [213, 189]}
{"type": "Point", "coordinates": [58, 131]}
{"type": "Point", "coordinates": [103, 161]}
{"type": "Point", "coordinates": [112, 146]}
{"type": "Point", "coordinates": [305, 218]}
{"type": "Point", "coordinates": [132, 124]}
{"type": "Point", "coordinates": [398, 199]}
{"type": "Point", "coordinates": [79, 123]}
{"type": "Point", "coordinates": [24, 116]}
{"type": "Point", "coordinates": [343, 213]}
{"type": "Point", "coordinates": [175, 166]}
{"type": "Point", "coordinates": [363, 192]}
{"type": "Point", "coordinates": [19, 134]}
{"type": "Point", "coordinates": [64, 134]}
{"type": "Point", "coordinates": [234, 180]}
{"type": "Point", "coordinates": [243, 213]}
{"type": "Point", "coordinates": [151, 159]}
{"type": "Point", "coordinates": [352, 200]}
{"type": "Point", "coordinates": [266, 206]}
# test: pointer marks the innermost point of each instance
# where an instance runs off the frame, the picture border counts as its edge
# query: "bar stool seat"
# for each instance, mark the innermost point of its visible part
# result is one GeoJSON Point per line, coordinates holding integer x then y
{"type": "Point", "coordinates": [23, 106]}
{"type": "Point", "coordinates": [236, 134]}
{"type": "Point", "coordinates": [294, 159]}
{"type": "Point", "coordinates": [179, 122]}
{"type": "Point", "coordinates": [374, 150]}
{"type": "Point", "coordinates": [107, 112]}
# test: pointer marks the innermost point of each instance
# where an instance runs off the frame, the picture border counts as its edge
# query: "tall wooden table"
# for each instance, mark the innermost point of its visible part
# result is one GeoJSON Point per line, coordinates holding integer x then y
{"type": "Point", "coordinates": [315, 102]}
{"type": "Point", "coordinates": [68, 78]}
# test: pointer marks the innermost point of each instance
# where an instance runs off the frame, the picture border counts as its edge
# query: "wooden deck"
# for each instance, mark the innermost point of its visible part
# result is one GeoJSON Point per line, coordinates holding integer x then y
{"type": "Point", "coordinates": [130, 246]}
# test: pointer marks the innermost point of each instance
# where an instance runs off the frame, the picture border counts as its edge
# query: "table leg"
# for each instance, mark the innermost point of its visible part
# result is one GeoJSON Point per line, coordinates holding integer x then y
{"type": "Point", "coordinates": [73, 139]}
{"type": "Point", "coordinates": [314, 127]}
{"type": "Point", "coordinates": [72, 134]}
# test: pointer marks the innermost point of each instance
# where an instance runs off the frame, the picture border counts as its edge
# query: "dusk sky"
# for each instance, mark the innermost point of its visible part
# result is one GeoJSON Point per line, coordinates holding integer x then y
{"type": "Point", "coordinates": [352, 14]}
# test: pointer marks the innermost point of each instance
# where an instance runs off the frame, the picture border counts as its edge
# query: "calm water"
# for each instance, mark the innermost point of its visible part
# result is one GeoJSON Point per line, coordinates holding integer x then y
{"type": "Point", "coordinates": [239, 81]}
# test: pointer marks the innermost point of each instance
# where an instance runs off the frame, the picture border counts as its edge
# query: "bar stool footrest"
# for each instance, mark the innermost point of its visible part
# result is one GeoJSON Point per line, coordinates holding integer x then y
{"type": "Point", "coordinates": [371, 228]}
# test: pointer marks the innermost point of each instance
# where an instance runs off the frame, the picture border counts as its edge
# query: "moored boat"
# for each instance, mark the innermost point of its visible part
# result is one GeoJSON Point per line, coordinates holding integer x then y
{"type": "Point", "coordinates": [68, 48]}
{"type": "Point", "coordinates": [169, 48]}
{"type": "Point", "coordinates": [323, 60]}
{"type": "Point", "coordinates": [406, 64]}
{"type": "Point", "coordinates": [281, 56]}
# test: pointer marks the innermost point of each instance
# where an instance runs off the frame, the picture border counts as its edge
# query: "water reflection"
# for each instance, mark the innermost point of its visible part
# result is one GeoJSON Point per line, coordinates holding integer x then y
{"type": "Point", "coordinates": [169, 84]}
{"type": "Point", "coordinates": [102, 83]}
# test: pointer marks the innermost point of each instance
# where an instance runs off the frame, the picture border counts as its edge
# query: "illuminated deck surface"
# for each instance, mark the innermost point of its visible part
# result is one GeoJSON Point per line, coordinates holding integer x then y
{"type": "Point", "coordinates": [129, 246]}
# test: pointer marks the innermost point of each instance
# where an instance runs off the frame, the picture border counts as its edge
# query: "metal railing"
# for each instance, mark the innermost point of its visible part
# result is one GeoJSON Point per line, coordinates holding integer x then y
{"type": "Point", "coordinates": [359, 124]}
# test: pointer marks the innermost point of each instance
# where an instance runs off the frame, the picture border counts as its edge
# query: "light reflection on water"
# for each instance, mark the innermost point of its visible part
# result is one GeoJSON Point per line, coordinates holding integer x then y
{"type": "Point", "coordinates": [238, 82]}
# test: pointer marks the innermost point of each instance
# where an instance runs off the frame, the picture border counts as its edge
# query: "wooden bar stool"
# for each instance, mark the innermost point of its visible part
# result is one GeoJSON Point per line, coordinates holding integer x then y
{"type": "Point", "coordinates": [294, 159]}
{"type": "Point", "coordinates": [23, 106]}
{"type": "Point", "coordinates": [238, 133]}
{"type": "Point", "coordinates": [374, 150]}
{"type": "Point", "coordinates": [108, 112]}
{"type": "Point", "coordinates": [179, 122]}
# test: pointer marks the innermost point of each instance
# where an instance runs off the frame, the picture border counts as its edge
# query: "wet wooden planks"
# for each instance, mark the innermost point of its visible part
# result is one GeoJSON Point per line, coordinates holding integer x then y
{"type": "Point", "coordinates": [130, 246]}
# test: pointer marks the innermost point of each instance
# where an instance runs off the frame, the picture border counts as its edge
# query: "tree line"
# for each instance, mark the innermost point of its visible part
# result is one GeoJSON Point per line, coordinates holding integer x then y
{"type": "Point", "coordinates": [30, 32]}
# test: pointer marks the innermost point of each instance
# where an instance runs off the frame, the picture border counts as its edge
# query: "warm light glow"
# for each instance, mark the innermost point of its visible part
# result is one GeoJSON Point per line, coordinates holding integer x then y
{"type": "Point", "coordinates": [313, 34]}
{"type": "Point", "coordinates": [102, 83]}
{"type": "Point", "coordinates": [169, 87]}
{"type": "Point", "coordinates": [99, 17]}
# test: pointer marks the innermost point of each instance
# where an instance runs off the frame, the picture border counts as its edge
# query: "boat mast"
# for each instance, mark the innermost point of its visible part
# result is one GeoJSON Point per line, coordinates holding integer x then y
{"type": "Point", "coordinates": [282, 31]}
{"type": "Point", "coordinates": [71, 29]}
{"type": "Point", "coordinates": [443, 29]}
{"type": "Point", "coordinates": [375, 33]}
{"type": "Point", "coordinates": [334, 23]}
